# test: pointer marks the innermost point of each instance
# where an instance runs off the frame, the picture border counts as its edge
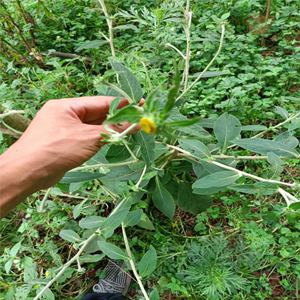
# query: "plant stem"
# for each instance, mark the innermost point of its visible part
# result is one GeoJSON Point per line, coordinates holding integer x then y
{"type": "Point", "coordinates": [12, 112]}
{"type": "Point", "coordinates": [126, 163]}
{"type": "Point", "coordinates": [141, 178]}
{"type": "Point", "coordinates": [45, 198]}
{"type": "Point", "coordinates": [255, 157]}
{"type": "Point", "coordinates": [176, 49]}
{"type": "Point", "coordinates": [207, 67]}
{"type": "Point", "coordinates": [132, 263]}
{"type": "Point", "coordinates": [85, 243]}
{"type": "Point", "coordinates": [129, 150]}
{"type": "Point", "coordinates": [188, 45]}
{"type": "Point", "coordinates": [278, 125]}
{"type": "Point", "coordinates": [116, 88]}
{"type": "Point", "coordinates": [241, 173]}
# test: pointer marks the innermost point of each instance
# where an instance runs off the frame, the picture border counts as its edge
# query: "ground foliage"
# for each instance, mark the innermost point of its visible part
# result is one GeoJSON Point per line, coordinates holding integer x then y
{"type": "Point", "coordinates": [226, 236]}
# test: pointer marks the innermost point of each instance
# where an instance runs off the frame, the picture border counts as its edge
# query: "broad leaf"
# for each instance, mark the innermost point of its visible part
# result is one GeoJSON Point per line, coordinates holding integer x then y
{"type": "Point", "coordinates": [146, 223]}
{"type": "Point", "coordinates": [112, 251]}
{"type": "Point", "coordinates": [197, 148]}
{"type": "Point", "coordinates": [283, 112]}
{"type": "Point", "coordinates": [117, 153]}
{"type": "Point", "coordinates": [287, 139]}
{"type": "Point", "coordinates": [90, 258]}
{"type": "Point", "coordinates": [98, 158]}
{"type": "Point", "coordinates": [91, 222]}
{"type": "Point", "coordinates": [15, 249]}
{"type": "Point", "coordinates": [194, 130]}
{"type": "Point", "coordinates": [71, 177]}
{"type": "Point", "coordinates": [91, 45]}
{"type": "Point", "coordinates": [254, 128]}
{"type": "Point", "coordinates": [115, 218]}
{"type": "Point", "coordinates": [147, 143]}
{"type": "Point", "coordinates": [163, 200]}
{"type": "Point", "coordinates": [208, 191]}
{"type": "Point", "coordinates": [126, 114]}
{"type": "Point", "coordinates": [276, 165]}
{"type": "Point", "coordinates": [190, 202]}
{"type": "Point", "coordinates": [78, 208]}
{"type": "Point", "coordinates": [263, 146]}
{"type": "Point", "coordinates": [127, 26]}
{"type": "Point", "coordinates": [154, 295]}
{"type": "Point", "coordinates": [70, 235]}
{"type": "Point", "coordinates": [184, 123]}
{"type": "Point", "coordinates": [133, 217]}
{"type": "Point", "coordinates": [262, 188]}
{"type": "Point", "coordinates": [226, 129]}
{"type": "Point", "coordinates": [128, 81]}
{"type": "Point", "coordinates": [148, 263]}
{"type": "Point", "coordinates": [218, 179]}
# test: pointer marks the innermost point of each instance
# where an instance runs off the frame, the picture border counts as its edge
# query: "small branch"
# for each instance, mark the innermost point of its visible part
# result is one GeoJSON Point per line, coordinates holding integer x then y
{"type": "Point", "coordinates": [45, 198]}
{"type": "Point", "coordinates": [278, 125]}
{"type": "Point", "coordinates": [141, 178]}
{"type": "Point", "coordinates": [233, 169]}
{"type": "Point", "coordinates": [188, 47]}
{"type": "Point", "coordinates": [12, 112]}
{"type": "Point", "coordinates": [126, 163]}
{"type": "Point", "coordinates": [86, 242]}
{"type": "Point", "coordinates": [132, 263]}
{"type": "Point", "coordinates": [129, 150]}
{"type": "Point", "coordinates": [176, 49]}
{"type": "Point", "coordinates": [207, 67]}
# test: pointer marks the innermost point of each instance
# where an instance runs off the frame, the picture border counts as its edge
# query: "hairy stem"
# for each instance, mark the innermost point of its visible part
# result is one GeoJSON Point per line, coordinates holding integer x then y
{"type": "Point", "coordinates": [45, 198]}
{"type": "Point", "coordinates": [207, 67]}
{"type": "Point", "coordinates": [132, 263]}
{"type": "Point", "coordinates": [188, 46]}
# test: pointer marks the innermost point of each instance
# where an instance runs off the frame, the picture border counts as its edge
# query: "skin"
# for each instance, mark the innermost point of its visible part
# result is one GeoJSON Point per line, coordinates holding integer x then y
{"type": "Point", "coordinates": [64, 134]}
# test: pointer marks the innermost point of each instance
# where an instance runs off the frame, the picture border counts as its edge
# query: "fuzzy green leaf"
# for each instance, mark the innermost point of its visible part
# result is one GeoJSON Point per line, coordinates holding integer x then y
{"type": "Point", "coordinates": [70, 235]}
{"type": "Point", "coordinates": [287, 139]}
{"type": "Point", "coordinates": [254, 128]}
{"type": "Point", "coordinates": [91, 45]}
{"type": "Point", "coordinates": [184, 123]}
{"type": "Point", "coordinates": [263, 146]}
{"type": "Point", "coordinates": [91, 222]}
{"type": "Point", "coordinates": [146, 223]}
{"type": "Point", "coordinates": [131, 114]}
{"type": "Point", "coordinates": [71, 177]}
{"type": "Point", "coordinates": [148, 262]}
{"type": "Point", "coordinates": [218, 179]}
{"type": "Point", "coordinates": [276, 165]}
{"type": "Point", "coordinates": [255, 189]}
{"type": "Point", "coordinates": [226, 129]}
{"type": "Point", "coordinates": [163, 200]}
{"type": "Point", "coordinates": [188, 201]}
{"type": "Point", "coordinates": [112, 251]}
{"type": "Point", "coordinates": [128, 81]}
{"type": "Point", "coordinates": [147, 143]}
{"type": "Point", "coordinates": [196, 148]}
{"type": "Point", "coordinates": [133, 217]}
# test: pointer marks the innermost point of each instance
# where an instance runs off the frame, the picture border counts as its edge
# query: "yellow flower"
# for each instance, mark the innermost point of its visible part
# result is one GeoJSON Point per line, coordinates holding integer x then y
{"type": "Point", "coordinates": [47, 273]}
{"type": "Point", "coordinates": [174, 225]}
{"type": "Point", "coordinates": [147, 125]}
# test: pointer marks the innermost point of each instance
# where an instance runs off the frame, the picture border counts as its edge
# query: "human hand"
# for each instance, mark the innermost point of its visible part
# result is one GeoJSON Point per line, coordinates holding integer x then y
{"type": "Point", "coordinates": [65, 133]}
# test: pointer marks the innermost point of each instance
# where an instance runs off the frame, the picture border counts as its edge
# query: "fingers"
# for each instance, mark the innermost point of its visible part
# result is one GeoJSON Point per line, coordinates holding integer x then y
{"type": "Point", "coordinates": [93, 109]}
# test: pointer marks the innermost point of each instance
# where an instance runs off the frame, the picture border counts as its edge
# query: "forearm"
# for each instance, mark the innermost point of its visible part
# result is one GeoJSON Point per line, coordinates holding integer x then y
{"type": "Point", "coordinates": [20, 176]}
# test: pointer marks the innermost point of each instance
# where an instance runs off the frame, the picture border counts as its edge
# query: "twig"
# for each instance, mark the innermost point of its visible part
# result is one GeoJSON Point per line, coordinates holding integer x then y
{"type": "Point", "coordinates": [86, 242]}
{"type": "Point", "coordinates": [129, 150]}
{"type": "Point", "coordinates": [141, 178]}
{"type": "Point", "coordinates": [45, 198]}
{"type": "Point", "coordinates": [176, 49]}
{"type": "Point", "coordinates": [12, 112]}
{"type": "Point", "coordinates": [132, 263]}
{"type": "Point", "coordinates": [188, 45]}
{"type": "Point", "coordinates": [207, 67]}
{"type": "Point", "coordinates": [255, 157]}
{"type": "Point", "coordinates": [126, 163]}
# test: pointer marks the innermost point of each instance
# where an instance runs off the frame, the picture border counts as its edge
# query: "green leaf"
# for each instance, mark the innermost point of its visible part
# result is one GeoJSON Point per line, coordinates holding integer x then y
{"type": "Point", "coordinates": [146, 223]}
{"type": "Point", "coordinates": [196, 148]}
{"type": "Point", "coordinates": [90, 258]}
{"type": "Point", "coordinates": [292, 98]}
{"type": "Point", "coordinates": [128, 81]}
{"type": "Point", "coordinates": [112, 251]}
{"type": "Point", "coordinates": [71, 177]}
{"type": "Point", "coordinates": [154, 295]}
{"type": "Point", "coordinates": [15, 249]}
{"type": "Point", "coordinates": [184, 123]}
{"type": "Point", "coordinates": [287, 139]}
{"type": "Point", "coordinates": [30, 273]}
{"type": "Point", "coordinates": [91, 222]}
{"type": "Point", "coordinates": [163, 200]}
{"type": "Point", "coordinates": [70, 235]}
{"type": "Point", "coordinates": [218, 179]}
{"type": "Point", "coordinates": [255, 189]}
{"type": "Point", "coordinates": [91, 45]}
{"type": "Point", "coordinates": [263, 146]}
{"type": "Point", "coordinates": [226, 129]}
{"type": "Point", "coordinates": [66, 275]}
{"type": "Point", "coordinates": [133, 217]}
{"type": "Point", "coordinates": [115, 218]}
{"type": "Point", "coordinates": [190, 202]}
{"type": "Point", "coordinates": [208, 191]}
{"type": "Point", "coordinates": [78, 208]}
{"type": "Point", "coordinates": [153, 102]}
{"type": "Point", "coordinates": [131, 114]}
{"type": "Point", "coordinates": [194, 130]}
{"type": "Point", "coordinates": [8, 265]}
{"type": "Point", "coordinates": [295, 206]}
{"type": "Point", "coordinates": [225, 16]}
{"type": "Point", "coordinates": [114, 105]}
{"type": "Point", "coordinates": [283, 112]}
{"type": "Point", "coordinates": [171, 95]}
{"type": "Point", "coordinates": [254, 128]}
{"type": "Point", "coordinates": [148, 263]}
{"type": "Point", "coordinates": [47, 295]}
{"type": "Point", "coordinates": [117, 153]}
{"type": "Point", "coordinates": [276, 165]}
{"type": "Point", "coordinates": [210, 74]}
{"type": "Point", "coordinates": [98, 158]}
{"type": "Point", "coordinates": [147, 143]}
